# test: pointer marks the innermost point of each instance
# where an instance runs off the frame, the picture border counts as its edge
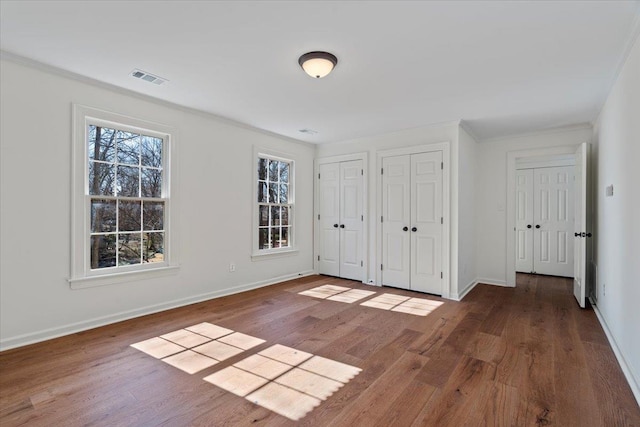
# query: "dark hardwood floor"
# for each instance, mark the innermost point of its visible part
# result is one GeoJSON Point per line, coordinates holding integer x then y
{"type": "Point", "coordinates": [524, 356]}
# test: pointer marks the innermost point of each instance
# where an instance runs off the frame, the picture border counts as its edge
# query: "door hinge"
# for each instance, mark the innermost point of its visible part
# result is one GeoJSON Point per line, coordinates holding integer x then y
{"type": "Point", "coordinates": [318, 176]}
{"type": "Point", "coordinates": [441, 220]}
{"type": "Point", "coordinates": [362, 172]}
{"type": "Point", "coordinates": [381, 171]}
{"type": "Point", "coordinates": [381, 267]}
{"type": "Point", "coordinates": [318, 257]}
{"type": "Point", "coordinates": [381, 219]}
{"type": "Point", "coordinates": [361, 217]}
{"type": "Point", "coordinates": [441, 275]}
{"type": "Point", "coordinates": [441, 165]}
{"type": "Point", "coordinates": [318, 216]}
{"type": "Point", "coordinates": [361, 263]}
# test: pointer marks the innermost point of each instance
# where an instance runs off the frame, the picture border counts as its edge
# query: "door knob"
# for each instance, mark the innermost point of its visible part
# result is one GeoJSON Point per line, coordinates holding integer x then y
{"type": "Point", "coordinates": [341, 225]}
{"type": "Point", "coordinates": [405, 228]}
{"type": "Point", "coordinates": [414, 229]}
{"type": "Point", "coordinates": [588, 234]}
{"type": "Point", "coordinates": [335, 225]}
{"type": "Point", "coordinates": [576, 234]}
{"type": "Point", "coordinates": [528, 225]}
{"type": "Point", "coordinates": [537, 225]}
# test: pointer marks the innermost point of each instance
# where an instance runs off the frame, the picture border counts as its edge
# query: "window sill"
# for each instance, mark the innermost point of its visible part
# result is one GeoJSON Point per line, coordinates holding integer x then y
{"type": "Point", "coordinates": [257, 256]}
{"type": "Point", "coordinates": [115, 278]}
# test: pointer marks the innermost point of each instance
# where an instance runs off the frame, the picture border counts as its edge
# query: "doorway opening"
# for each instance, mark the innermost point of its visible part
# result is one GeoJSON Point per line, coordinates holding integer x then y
{"type": "Point", "coordinates": [544, 215]}
{"type": "Point", "coordinates": [541, 158]}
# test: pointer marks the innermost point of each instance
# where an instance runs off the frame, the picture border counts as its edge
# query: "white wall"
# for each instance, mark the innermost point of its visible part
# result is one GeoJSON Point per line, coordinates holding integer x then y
{"type": "Point", "coordinates": [213, 205]}
{"type": "Point", "coordinates": [617, 231]}
{"type": "Point", "coordinates": [408, 138]}
{"type": "Point", "coordinates": [467, 164]}
{"type": "Point", "coordinates": [491, 195]}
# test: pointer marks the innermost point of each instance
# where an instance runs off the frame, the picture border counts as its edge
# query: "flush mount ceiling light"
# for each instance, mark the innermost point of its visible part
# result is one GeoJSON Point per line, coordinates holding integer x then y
{"type": "Point", "coordinates": [317, 64]}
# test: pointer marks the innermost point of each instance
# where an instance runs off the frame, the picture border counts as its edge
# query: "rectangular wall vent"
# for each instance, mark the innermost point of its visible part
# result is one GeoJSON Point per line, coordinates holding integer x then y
{"type": "Point", "coordinates": [139, 74]}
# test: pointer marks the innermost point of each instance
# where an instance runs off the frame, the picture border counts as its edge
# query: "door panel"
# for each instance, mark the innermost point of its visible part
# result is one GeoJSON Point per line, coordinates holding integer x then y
{"type": "Point", "coordinates": [351, 218]}
{"type": "Point", "coordinates": [426, 214]}
{"type": "Point", "coordinates": [524, 220]}
{"type": "Point", "coordinates": [329, 197]}
{"type": "Point", "coordinates": [426, 247]}
{"type": "Point", "coordinates": [396, 215]}
{"type": "Point", "coordinates": [553, 197]}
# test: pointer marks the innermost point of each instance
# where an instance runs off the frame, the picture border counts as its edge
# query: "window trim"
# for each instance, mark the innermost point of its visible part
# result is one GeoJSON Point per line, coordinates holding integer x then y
{"type": "Point", "coordinates": [82, 275]}
{"type": "Point", "coordinates": [260, 254]}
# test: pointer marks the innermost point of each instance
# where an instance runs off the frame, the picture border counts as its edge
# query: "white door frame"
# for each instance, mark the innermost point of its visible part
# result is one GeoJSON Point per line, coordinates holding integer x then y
{"type": "Point", "coordinates": [512, 158]}
{"type": "Point", "coordinates": [445, 147]}
{"type": "Point", "coordinates": [365, 204]}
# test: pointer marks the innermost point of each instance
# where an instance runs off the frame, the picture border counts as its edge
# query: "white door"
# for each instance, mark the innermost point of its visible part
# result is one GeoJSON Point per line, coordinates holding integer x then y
{"type": "Point", "coordinates": [553, 221]}
{"type": "Point", "coordinates": [396, 220]}
{"type": "Point", "coordinates": [580, 225]}
{"type": "Point", "coordinates": [524, 220]}
{"type": "Point", "coordinates": [426, 222]}
{"type": "Point", "coordinates": [329, 222]}
{"type": "Point", "coordinates": [341, 218]}
{"type": "Point", "coordinates": [412, 222]}
{"type": "Point", "coordinates": [351, 220]}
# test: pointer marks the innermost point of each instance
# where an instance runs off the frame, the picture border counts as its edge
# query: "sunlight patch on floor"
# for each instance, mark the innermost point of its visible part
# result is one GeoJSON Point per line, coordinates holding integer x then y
{"type": "Point", "coordinates": [284, 380]}
{"type": "Point", "coordinates": [403, 304]}
{"type": "Point", "coordinates": [390, 302]}
{"type": "Point", "coordinates": [158, 347]}
{"type": "Point", "coordinates": [197, 347]}
{"type": "Point", "coordinates": [324, 291]}
{"type": "Point", "coordinates": [351, 296]}
{"type": "Point", "coordinates": [337, 293]}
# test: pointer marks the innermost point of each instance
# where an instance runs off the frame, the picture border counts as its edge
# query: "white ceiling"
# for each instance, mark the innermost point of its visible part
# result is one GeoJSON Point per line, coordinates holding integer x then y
{"type": "Point", "coordinates": [503, 67]}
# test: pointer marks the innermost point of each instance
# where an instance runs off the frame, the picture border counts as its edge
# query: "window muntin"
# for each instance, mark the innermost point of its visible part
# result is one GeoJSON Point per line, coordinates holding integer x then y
{"type": "Point", "coordinates": [124, 190]}
{"type": "Point", "coordinates": [275, 203]}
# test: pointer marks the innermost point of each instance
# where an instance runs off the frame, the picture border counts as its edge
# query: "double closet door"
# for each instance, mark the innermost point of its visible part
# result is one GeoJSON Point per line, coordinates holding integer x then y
{"type": "Point", "coordinates": [544, 220]}
{"type": "Point", "coordinates": [412, 222]}
{"type": "Point", "coordinates": [340, 219]}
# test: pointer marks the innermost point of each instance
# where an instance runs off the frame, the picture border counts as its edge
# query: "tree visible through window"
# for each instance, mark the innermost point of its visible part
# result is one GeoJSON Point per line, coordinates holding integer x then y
{"type": "Point", "coordinates": [275, 203]}
{"type": "Point", "coordinates": [125, 188]}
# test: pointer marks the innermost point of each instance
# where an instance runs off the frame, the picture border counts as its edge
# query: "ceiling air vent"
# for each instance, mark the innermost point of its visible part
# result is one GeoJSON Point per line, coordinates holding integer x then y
{"type": "Point", "coordinates": [143, 75]}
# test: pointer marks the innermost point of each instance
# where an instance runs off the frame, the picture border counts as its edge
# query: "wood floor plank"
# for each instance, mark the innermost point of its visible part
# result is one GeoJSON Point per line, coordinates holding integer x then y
{"type": "Point", "coordinates": [612, 392]}
{"type": "Point", "coordinates": [523, 356]}
{"type": "Point", "coordinates": [376, 400]}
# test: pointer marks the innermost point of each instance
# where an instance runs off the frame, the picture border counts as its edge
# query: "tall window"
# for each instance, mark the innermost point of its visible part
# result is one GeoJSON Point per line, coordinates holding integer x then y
{"type": "Point", "coordinates": [275, 203]}
{"type": "Point", "coordinates": [121, 197]}
{"type": "Point", "coordinates": [125, 182]}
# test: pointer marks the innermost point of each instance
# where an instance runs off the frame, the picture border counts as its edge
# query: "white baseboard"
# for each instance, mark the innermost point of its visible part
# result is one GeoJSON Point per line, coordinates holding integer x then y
{"type": "Point", "coordinates": [461, 294]}
{"type": "Point", "coordinates": [47, 334]}
{"type": "Point", "coordinates": [494, 282]}
{"type": "Point", "coordinates": [626, 370]}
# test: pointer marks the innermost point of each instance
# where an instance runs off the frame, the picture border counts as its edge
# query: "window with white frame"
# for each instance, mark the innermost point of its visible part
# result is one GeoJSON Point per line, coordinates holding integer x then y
{"type": "Point", "coordinates": [274, 204]}
{"type": "Point", "coordinates": [121, 195]}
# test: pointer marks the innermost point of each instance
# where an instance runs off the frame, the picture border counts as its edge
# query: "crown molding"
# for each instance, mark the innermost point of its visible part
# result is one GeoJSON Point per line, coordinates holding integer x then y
{"type": "Point", "coordinates": [634, 38]}
{"type": "Point", "coordinates": [551, 131]}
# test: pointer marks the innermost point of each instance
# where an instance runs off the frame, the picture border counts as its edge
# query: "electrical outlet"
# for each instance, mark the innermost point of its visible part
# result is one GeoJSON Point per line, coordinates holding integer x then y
{"type": "Point", "coordinates": [232, 267]}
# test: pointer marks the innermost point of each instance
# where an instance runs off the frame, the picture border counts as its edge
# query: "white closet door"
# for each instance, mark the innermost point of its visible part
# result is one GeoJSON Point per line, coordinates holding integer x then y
{"type": "Point", "coordinates": [426, 225]}
{"type": "Point", "coordinates": [329, 223]}
{"type": "Point", "coordinates": [351, 220]}
{"type": "Point", "coordinates": [553, 219]}
{"type": "Point", "coordinates": [524, 220]}
{"type": "Point", "coordinates": [396, 214]}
